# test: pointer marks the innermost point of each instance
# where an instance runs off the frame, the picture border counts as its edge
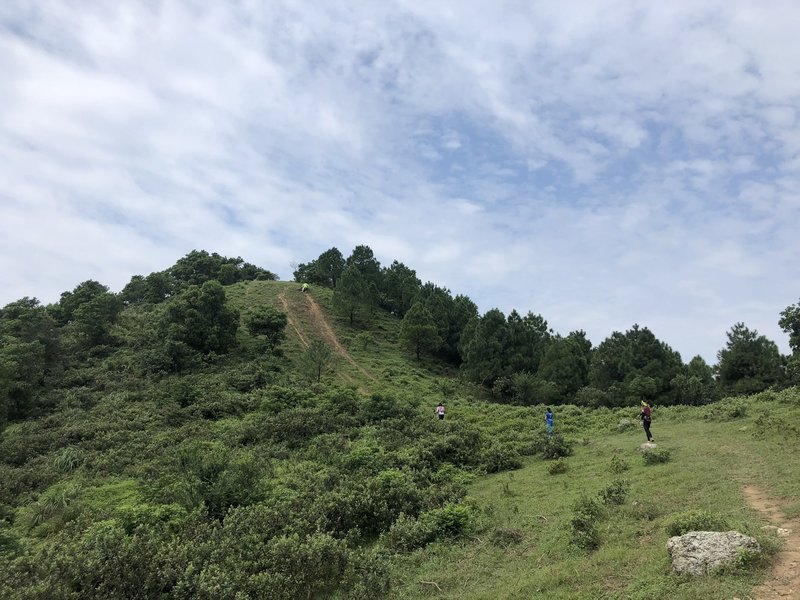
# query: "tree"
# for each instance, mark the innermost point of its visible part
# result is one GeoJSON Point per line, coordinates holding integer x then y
{"type": "Point", "coordinates": [634, 365]}
{"type": "Point", "coordinates": [566, 364]}
{"type": "Point", "coordinates": [269, 322]}
{"type": "Point", "coordinates": [528, 340]}
{"type": "Point", "coordinates": [325, 270]}
{"type": "Point", "coordinates": [316, 360]}
{"type": "Point", "coordinates": [418, 331]}
{"type": "Point", "coordinates": [352, 296]}
{"type": "Point", "coordinates": [790, 323]}
{"type": "Point", "coordinates": [400, 288]}
{"type": "Point", "coordinates": [200, 318]}
{"type": "Point", "coordinates": [749, 362]}
{"type": "Point", "coordinates": [485, 347]}
{"type": "Point", "coordinates": [199, 266]}
{"type": "Point", "coordinates": [153, 289]}
{"type": "Point", "coordinates": [90, 311]}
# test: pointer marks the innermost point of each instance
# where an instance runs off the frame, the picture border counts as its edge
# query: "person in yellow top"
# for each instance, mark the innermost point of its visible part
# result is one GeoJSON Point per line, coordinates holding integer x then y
{"type": "Point", "coordinates": [304, 288]}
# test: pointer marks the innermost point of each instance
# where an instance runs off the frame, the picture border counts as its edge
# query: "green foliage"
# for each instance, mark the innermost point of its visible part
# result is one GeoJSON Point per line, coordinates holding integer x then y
{"type": "Point", "coordinates": [697, 520]}
{"type": "Point", "coordinates": [505, 537]}
{"type": "Point", "coordinates": [418, 331]}
{"type": "Point", "coordinates": [557, 467]}
{"type": "Point", "coordinates": [634, 365]}
{"type": "Point", "coordinates": [552, 446]}
{"type": "Point", "coordinates": [269, 322]}
{"type": "Point", "coordinates": [656, 456]}
{"type": "Point", "coordinates": [616, 492]}
{"type": "Point", "coordinates": [200, 319]}
{"type": "Point", "coordinates": [325, 270]}
{"type": "Point", "coordinates": [408, 533]}
{"type": "Point", "coordinates": [501, 457]}
{"type": "Point", "coordinates": [749, 363]}
{"type": "Point", "coordinates": [790, 324]}
{"type": "Point", "coordinates": [582, 526]}
{"type": "Point", "coordinates": [316, 360]}
{"type": "Point", "coordinates": [618, 464]}
{"type": "Point", "coordinates": [210, 475]}
{"type": "Point", "coordinates": [353, 297]}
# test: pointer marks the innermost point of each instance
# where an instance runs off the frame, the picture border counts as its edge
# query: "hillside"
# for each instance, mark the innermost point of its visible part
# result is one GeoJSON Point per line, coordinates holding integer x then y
{"type": "Point", "coordinates": [236, 476]}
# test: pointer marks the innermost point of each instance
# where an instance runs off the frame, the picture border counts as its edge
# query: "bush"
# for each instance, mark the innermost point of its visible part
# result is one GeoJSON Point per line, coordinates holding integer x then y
{"type": "Point", "coordinates": [408, 533]}
{"type": "Point", "coordinates": [696, 521]}
{"type": "Point", "coordinates": [553, 446]}
{"type": "Point", "coordinates": [557, 467]}
{"type": "Point", "coordinates": [656, 456]}
{"type": "Point", "coordinates": [618, 464]}
{"type": "Point", "coordinates": [616, 493]}
{"type": "Point", "coordinates": [505, 537]}
{"type": "Point", "coordinates": [582, 526]}
{"type": "Point", "coordinates": [501, 457]}
{"type": "Point", "coordinates": [451, 520]}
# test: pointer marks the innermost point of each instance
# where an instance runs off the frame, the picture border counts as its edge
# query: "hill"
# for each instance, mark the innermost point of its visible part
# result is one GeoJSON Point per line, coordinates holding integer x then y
{"type": "Point", "coordinates": [221, 469]}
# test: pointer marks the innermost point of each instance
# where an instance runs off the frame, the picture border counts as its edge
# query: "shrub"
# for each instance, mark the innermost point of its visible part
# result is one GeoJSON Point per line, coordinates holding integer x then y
{"type": "Point", "coordinates": [696, 521]}
{"type": "Point", "coordinates": [557, 467]}
{"type": "Point", "coordinates": [69, 459]}
{"type": "Point", "coordinates": [582, 526]}
{"type": "Point", "coordinates": [616, 493]}
{"type": "Point", "coordinates": [501, 457]}
{"type": "Point", "coordinates": [618, 464]}
{"type": "Point", "coordinates": [553, 446]}
{"type": "Point", "coordinates": [504, 537]}
{"type": "Point", "coordinates": [408, 533]}
{"type": "Point", "coordinates": [656, 456]}
{"type": "Point", "coordinates": [451, 520]}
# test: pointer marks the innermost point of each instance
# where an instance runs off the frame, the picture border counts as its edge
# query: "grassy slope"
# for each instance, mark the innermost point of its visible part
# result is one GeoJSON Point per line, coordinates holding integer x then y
{"type": "Point", "coordinates": [712, 460]}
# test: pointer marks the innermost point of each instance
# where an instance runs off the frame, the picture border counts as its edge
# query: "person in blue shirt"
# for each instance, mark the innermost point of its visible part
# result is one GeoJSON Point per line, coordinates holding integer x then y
{"type": "Point", "coordinates": [548, 421]}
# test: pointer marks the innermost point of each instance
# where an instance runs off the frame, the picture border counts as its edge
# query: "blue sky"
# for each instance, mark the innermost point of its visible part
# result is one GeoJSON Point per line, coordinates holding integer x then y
{"type": "Point", "coordinates": [601, 163]}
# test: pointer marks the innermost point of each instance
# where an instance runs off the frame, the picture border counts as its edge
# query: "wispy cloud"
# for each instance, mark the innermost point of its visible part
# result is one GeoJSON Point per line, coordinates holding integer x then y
{"type": "Point", "coordinates": [602, 163]}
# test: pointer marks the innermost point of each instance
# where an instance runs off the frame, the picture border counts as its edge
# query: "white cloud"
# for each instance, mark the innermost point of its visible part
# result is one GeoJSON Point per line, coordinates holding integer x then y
{"type": "Point", "coordinates": [602, 163]}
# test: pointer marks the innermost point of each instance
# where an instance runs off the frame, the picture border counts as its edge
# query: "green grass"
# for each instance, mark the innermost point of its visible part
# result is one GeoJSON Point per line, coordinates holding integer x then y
{"type": "Point", "coordinates": [711, 462]}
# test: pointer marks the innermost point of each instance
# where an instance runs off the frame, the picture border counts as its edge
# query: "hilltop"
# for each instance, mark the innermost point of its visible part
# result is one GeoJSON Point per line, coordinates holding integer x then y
{"type": "Point", "coordinates": [191, 450]}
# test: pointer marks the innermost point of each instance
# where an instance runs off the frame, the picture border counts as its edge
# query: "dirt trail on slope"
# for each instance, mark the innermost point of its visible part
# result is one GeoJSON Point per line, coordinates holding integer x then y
{"type": "Point", "coordinates": [784, 580]}
{"type": "Point", "coordinates": [291, 320]}
{"type": "Point", "coordinates": [321, 326]}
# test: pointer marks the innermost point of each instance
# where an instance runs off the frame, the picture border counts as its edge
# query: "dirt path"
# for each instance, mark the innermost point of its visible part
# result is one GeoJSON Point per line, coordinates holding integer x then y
{"type": "Point", "coordinates": [784, 580]}
{"type": "Point", "coordinates": [323, 328]}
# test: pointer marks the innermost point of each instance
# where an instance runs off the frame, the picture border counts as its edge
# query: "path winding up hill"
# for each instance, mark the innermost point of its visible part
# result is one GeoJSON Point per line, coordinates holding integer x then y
{"type": "Point", "coordinates": [316, 325]}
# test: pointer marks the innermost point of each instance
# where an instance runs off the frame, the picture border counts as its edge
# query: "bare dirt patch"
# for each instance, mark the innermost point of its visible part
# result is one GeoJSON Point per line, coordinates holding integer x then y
{"type": "Point", "coordinates": [784, 579]}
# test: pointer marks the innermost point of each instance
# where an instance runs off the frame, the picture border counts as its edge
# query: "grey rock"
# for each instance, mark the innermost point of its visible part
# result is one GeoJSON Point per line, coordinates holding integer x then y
{"type": "Point", "coordinates": [647, 446]}
{"type": "Point", "coordinates": [702, 552]}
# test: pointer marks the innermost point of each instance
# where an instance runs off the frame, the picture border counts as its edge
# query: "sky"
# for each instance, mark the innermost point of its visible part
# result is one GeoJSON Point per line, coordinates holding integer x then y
{"type": "Point", "coordinates": [601, 163]}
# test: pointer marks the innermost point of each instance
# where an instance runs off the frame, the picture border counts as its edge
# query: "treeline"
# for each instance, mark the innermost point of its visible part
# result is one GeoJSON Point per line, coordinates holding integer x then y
{"type": "Point", "coordinates": [523, 361]}
{"type": "Point", "coordinates": [174, 319]}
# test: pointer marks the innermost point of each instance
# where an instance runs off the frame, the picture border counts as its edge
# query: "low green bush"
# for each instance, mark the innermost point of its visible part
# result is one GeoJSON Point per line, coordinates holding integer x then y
{"type": "Point", "coordinates": [618, 464]}
{"type": "Point", "coordinates": [504, 537]}
{"type": "Point", "coordinates": [616, 493]}
{"type": "Point", "coordinates": [700, 520]}
{"type": "Point", "coordinates": [557, 467]}
{"type": "Point", "coordinates": [656, 456]}
{"type": "Point", "coordinates": [501, 457]}
{"type": "Point", "coordinates": [582, 526]}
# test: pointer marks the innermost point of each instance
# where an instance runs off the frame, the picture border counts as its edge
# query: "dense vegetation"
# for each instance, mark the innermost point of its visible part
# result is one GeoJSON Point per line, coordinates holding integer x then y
{"type": "Point", "coordinates": [195, 435]}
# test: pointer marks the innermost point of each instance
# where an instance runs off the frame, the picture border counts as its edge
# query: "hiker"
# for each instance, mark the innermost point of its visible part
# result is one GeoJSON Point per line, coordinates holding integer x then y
{"type": "Point", "coordinates": [440, 411]}
{"type": "Point", "coordinates": [646, 418]}
{"type": "Point", "coordinates": [548, 420]}
{"type": "Point", "coordinates": [304, 288]}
